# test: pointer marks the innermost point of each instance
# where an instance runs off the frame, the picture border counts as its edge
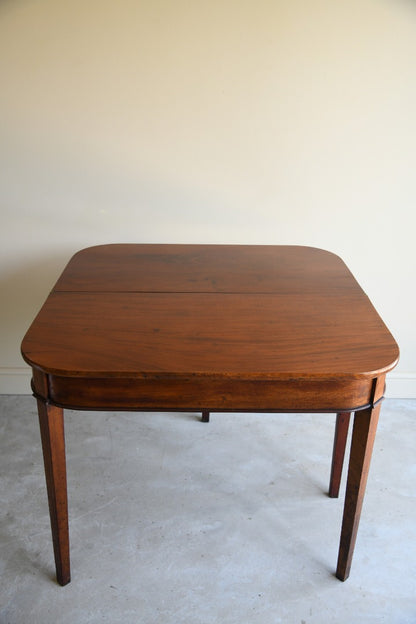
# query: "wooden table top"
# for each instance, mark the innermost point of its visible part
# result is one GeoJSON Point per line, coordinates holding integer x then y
{"type": "Point", "coordinates": [221, 311]}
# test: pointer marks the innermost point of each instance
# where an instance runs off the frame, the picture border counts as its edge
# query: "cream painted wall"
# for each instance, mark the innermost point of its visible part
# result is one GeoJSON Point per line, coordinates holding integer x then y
{"type": "Point", "coordinates": [227, 121]}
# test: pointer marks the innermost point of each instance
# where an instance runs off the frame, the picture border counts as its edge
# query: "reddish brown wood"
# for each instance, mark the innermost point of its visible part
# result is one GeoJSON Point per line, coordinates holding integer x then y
{"type": "Point", "coordinates": [40, 384]}
{"type": "Point", "coordinates": [364, 431]}
{"type": "Point", "coordinates": [205, 328]}
{"type": "Point", "coordinates": [53, 444]}
{"type": "Point", "coordinates": [244, 336]}
{"type": "Point", "coordinates": [338, 453]}
{"type": "Point", "coordinates": [233, 311]}
{"type": "Point", "coordinates": [284, 269]}
{"type": "Point", "coordinates": [215, 393]}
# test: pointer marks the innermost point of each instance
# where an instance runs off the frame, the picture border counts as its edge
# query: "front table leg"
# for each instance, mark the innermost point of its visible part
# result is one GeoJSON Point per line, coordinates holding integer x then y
{"type": "Point", "coordinates": [51, 421]}
{"type": "Point", "coordinates": [363, 434]}
{"type": "Point", "coordinates": [338, 453]}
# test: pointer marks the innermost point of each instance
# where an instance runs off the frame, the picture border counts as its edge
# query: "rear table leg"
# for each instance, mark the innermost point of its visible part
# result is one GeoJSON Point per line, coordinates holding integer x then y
{"type": "Point", "coordinates": [51, 421]}
{"type": "Point", "coordinates": [205, 416]}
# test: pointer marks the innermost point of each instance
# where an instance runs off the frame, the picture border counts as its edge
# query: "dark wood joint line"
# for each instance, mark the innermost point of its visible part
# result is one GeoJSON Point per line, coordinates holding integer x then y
{"type": "Point", "coordinates": [41, 398]}
{"type": "Point", "coordinates": [373, 405]}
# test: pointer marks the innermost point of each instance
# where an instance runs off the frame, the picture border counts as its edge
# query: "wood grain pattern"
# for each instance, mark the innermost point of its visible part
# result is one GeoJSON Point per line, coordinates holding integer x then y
{"type": "Point", "coordinates": [307, 318]}
{"type": "Point", "coordinates": [363, 435]}
{"type": "Point", "coordinates": [53, 444]}
{"type": "Point", "coordinates": [283, 269]}
{"type": "Point", "coordinates": [211, 393]}
{"type": "Point", "coordinates": [338, 453]}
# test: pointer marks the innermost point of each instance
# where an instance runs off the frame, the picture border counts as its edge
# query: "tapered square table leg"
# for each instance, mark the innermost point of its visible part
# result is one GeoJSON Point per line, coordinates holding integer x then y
{"type": "Point", "coordinates": [364, 431]}
{"type": "Point", "coordinates": [51, 421]}
{"type": "Point", "coordinates": [338, 453]}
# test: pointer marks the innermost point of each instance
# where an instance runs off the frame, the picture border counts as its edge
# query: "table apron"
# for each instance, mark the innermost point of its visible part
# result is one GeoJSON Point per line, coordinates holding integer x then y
{"type": "Point", "coordinates": [196, 393]}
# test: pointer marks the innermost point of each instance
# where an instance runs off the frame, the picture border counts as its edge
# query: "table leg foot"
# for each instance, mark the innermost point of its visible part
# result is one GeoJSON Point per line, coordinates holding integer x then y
{"type": "Point", "coordinates": [51, 421]}
{"type": "Point", "coordinates": [338, 453]}
{"type": "Point", "coordinates": [205, 416]}
{"type": "Point", "coordinates": [364, 431]}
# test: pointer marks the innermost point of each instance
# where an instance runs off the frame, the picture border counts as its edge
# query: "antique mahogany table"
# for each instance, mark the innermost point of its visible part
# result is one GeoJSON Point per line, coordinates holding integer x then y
{"type": "Point", "coordinates": [209, 328]}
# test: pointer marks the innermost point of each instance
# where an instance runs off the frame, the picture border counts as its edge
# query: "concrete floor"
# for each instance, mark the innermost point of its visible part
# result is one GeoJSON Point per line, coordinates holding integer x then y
{"type": "Point", "coordinates": [177, 522]}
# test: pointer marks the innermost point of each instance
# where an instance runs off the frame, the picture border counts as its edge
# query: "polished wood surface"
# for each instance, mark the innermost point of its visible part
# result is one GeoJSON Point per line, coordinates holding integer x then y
{"type": "Point", "coordinates": [206, 268]}
{"type": "Point", "coordinates": [209, 328]}
{"type": "Point", "coordinates": [51, 422]}
{"type": "Point", "coordinates": [234, 312]}
{"type": "Point", "coordinates": [363, 435]}
{"type": "Point", "coordinates": [338, 453]}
